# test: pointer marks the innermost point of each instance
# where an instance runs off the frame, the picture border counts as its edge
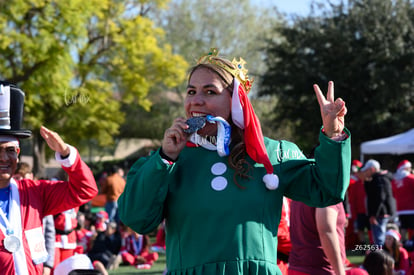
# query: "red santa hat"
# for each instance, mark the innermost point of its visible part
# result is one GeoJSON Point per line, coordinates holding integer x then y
{"type": "Point", "coordinates": [404, 165]}
{"type": "Point", "coordinates": [102, 214]}
{"type": "Point", "coordinates": [243, 114]}
{"type": "Point", "coordinates": [393, 233]}
{"type": "Point", "coordinates": [356, 165]}
{"type": "Point", "coordinates": [244, 117]}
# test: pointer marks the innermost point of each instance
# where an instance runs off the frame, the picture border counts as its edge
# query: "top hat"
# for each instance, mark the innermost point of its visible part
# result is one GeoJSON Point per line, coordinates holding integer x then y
{"type": "Point", "coordinates": [11, 111]}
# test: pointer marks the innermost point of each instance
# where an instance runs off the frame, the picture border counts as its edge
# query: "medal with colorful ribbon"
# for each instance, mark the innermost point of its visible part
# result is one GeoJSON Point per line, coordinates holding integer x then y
{"type": "Point", "coordinates": [11, 242]}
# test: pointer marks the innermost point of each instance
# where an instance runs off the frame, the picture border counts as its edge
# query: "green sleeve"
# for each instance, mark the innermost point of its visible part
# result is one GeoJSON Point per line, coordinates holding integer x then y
{"type": "Point", "coordinates": [141, 205]}
{"type": "Point", "coordinates": [321, 181]}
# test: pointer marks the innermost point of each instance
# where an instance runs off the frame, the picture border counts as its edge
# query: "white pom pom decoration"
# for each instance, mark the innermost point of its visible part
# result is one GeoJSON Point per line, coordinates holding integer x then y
{"type": "Point", "coordinates": [271, 181]}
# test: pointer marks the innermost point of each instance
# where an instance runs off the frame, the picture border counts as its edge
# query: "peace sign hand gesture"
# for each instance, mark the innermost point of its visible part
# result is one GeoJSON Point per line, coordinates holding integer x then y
{"type": "Point", "coordinates": [332, 111]}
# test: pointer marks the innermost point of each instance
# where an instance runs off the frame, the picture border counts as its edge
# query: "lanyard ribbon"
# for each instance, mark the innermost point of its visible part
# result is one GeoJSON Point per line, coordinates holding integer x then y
{"type": "Point", "coordinates": [223, 137]}
{"type": "Point", "coordinates": [223, 134]}
{"type": "Point", "coordinates": [6, 228]}
{"type": "Point", "coordinates": [15, 222]}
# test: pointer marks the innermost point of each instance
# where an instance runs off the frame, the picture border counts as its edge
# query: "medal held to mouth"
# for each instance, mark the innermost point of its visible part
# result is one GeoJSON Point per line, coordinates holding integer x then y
{"type": "Point", "coordinates": [195, 124]}
{"type": "Point", "coordinates": [11, 243]}
{"type": "Point", "coordinates": [223, 131]}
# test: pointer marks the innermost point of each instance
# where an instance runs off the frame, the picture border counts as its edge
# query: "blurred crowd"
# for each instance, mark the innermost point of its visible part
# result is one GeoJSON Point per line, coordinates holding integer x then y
{"type": "Point", "coordinates": [380, 206]}
{"type": "Point", "coordinates": [376, 220]}
{"type": "Point", "coordinates": [91, 237]}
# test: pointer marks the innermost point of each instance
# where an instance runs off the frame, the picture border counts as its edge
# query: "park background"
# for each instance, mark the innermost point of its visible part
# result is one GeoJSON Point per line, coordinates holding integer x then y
{"type": "Point", "coordinates": [110, 76]}
{"type": "Point", "coordinates": [107, 73]}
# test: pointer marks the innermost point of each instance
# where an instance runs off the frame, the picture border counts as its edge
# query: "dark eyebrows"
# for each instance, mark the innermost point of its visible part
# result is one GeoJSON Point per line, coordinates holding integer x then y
{"type": "Point", "coordinates": [205, 86]}
{"type": "Point", "coordinates": [8, 147]}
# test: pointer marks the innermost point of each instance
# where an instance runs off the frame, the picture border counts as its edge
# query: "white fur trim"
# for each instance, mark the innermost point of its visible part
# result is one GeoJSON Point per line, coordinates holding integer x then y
{"type": "Point", "coordinates": [400, 174]}
{"type": "Point", "coordinates": [236, 107]}
{"type": "Point", "coordinates": [271, 181]}
{"type": "Point", "coordinates": [404, 167]}
{"type": "Point", "coordinates": [393, 234]}
{"type": "Point", "coordinates": [70, 160]}
{"type": "Point", "coordinates": [407, 164]}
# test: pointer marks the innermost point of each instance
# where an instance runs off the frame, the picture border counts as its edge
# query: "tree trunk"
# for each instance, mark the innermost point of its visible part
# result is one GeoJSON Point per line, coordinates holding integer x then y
{"type": "Point", "coordinates": [39, 158]}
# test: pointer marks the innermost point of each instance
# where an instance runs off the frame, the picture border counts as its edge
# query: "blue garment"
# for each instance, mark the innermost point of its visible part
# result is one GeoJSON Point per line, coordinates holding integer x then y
{"type": "Point", "coordinates": [379, 230]}
{"type": "Point", "coordinates": [111, 207]}
{"type": "Point", "coordinates": [4, 200]}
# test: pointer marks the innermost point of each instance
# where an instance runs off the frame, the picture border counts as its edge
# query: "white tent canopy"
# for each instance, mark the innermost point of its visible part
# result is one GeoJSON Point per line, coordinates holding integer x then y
{"type": "Point", "coordinates": [395, 145]}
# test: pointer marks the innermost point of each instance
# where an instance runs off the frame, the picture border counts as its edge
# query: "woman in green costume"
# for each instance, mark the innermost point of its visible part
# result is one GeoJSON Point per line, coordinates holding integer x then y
{"type": "Point", "coordinates": [220, 189]}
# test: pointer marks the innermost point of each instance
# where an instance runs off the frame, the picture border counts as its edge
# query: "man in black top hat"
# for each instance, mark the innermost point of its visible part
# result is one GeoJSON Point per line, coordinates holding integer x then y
{"type": "Point", "coordinates": [24, 203]}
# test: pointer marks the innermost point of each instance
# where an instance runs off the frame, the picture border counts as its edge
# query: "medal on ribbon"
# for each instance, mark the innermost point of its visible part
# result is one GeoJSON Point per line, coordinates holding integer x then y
{"type": "Point", "coordinates": [195, 124]}
{"type": "Point", "coordinates": [11, 243]}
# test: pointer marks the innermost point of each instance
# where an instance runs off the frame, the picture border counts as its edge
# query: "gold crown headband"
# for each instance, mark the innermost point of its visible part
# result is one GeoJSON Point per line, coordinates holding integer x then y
{"type": "Point", "coordinates": [239, 72]}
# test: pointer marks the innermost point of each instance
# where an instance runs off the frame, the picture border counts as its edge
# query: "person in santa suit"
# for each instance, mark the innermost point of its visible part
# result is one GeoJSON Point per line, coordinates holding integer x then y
{"type": "Point", "coordinates": [24, 203]}
{"type": "Point", "coordinates": [403, 191]}
{"type": "Point", "coordinates": [351, 236]}
{"type": "Point", "coordinates": [284, 243]}
{"type": "Point", "coordinates": [359, 221]}
{"type": "Point", "coordinates": [65, 223]}
{"type": "Point", "coordinates": [219, 184]}
{"type": "Point", "coordinates": [66, 239]}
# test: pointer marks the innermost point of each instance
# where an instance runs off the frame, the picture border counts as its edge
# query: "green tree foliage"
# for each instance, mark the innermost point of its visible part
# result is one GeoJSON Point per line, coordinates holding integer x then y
{"type": "Point", "coordinates": [78, 61]}
{"type": "Point", "coordinates": [167, 105]}
{"type": "Point", "coordinates": [236, 28]}
{"type": "Point", "coordinates": [366, 48]}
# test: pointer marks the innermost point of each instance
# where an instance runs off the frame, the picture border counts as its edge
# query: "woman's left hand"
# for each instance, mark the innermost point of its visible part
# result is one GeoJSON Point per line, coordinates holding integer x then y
{"type": "Point", "coordinates": [332, 111]}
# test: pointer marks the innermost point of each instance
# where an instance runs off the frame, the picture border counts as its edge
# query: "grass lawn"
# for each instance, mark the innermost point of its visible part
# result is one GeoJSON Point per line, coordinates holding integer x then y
{"type": "Point", "coordinates": [159, 266]}
{"type": "Point", "coordinates": [355, 257]}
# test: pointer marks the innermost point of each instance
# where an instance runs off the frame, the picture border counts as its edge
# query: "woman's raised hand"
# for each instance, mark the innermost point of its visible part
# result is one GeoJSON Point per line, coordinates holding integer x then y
{"type": "Point", "coordinates": [175, 138]}
{"type": "Point", "coordinates": [332, 111]}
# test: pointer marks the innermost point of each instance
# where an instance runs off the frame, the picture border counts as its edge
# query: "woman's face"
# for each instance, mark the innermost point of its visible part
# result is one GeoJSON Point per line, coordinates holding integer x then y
{"type": "Point", "coordinates": [207, 95]}
{"type": "Point", "coordinates": [389, 241]}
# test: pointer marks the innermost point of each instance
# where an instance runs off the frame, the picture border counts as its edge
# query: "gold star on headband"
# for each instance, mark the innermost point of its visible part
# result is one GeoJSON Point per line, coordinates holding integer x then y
{"type": "Point", "coordinates": [240, 72]}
